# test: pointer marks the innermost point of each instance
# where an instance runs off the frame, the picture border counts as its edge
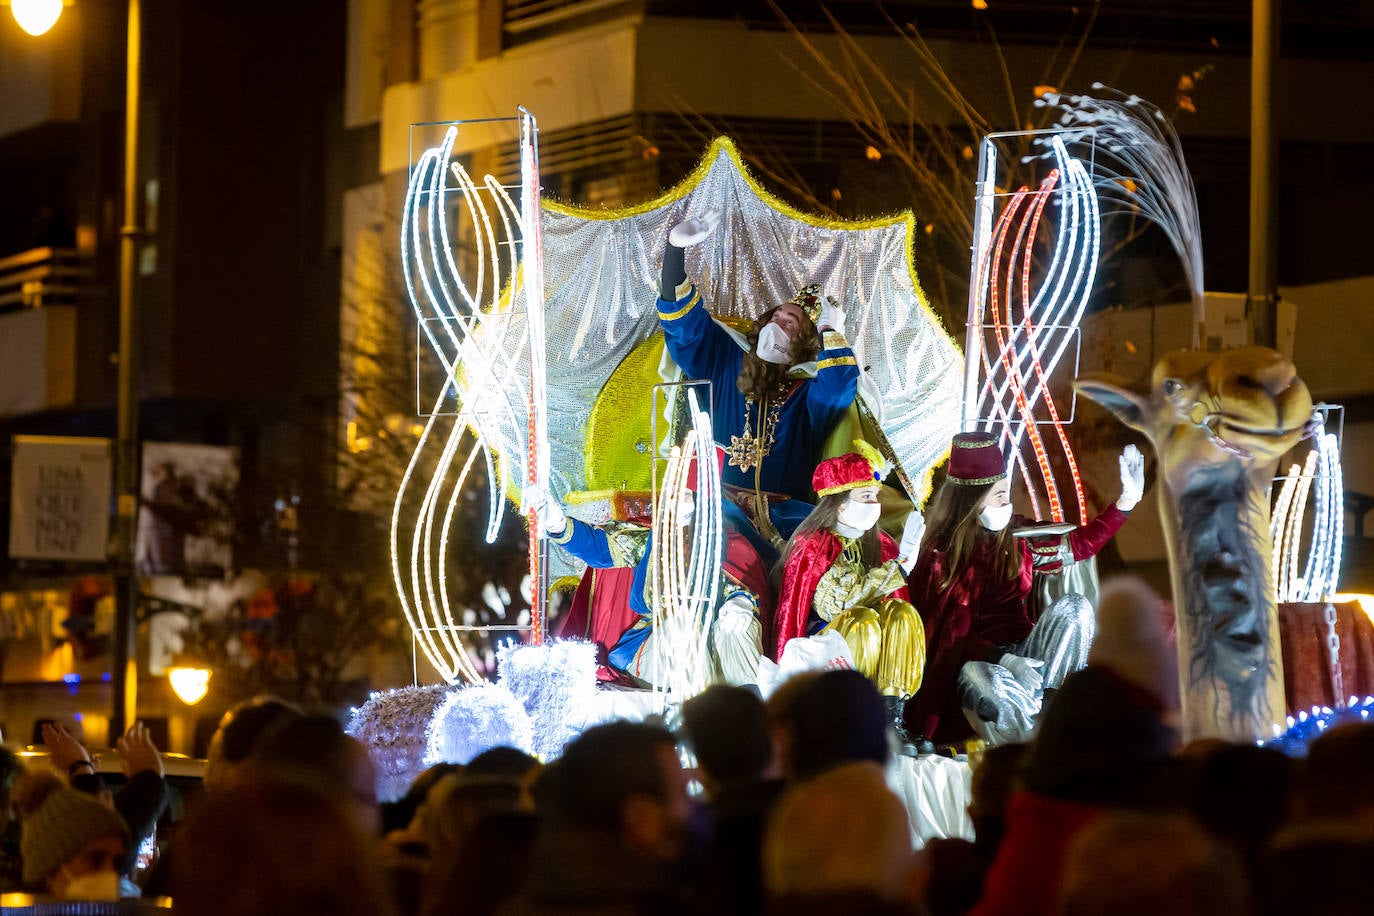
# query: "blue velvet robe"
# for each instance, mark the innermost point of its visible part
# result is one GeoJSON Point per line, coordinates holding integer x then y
{"type": "Point", "coordinates": [704, 350]}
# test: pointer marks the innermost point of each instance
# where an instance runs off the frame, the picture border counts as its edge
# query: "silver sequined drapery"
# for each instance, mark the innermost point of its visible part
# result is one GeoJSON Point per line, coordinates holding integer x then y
{"type": "Point", "coordinates": [601, 282]}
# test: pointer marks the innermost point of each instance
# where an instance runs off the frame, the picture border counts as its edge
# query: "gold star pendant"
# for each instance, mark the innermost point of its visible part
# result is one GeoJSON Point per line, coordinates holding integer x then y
{"type": "Point", "coordinates": [743, 452]}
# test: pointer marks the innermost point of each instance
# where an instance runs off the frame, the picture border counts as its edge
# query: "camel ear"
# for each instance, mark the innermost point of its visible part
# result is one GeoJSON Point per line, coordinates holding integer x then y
{"type": "Point", "coordinates": [1110, 391]}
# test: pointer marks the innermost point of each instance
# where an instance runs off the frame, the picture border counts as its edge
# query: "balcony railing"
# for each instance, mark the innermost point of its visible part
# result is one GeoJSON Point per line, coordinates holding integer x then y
{"type": "Point", "coordinates": [38, 293]}
{"type": "Point", "coordinates": [40, 277]}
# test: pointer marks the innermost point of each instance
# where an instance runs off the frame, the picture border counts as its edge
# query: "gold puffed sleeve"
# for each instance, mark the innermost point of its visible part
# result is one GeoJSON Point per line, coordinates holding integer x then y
{"type": "Point", "coordinates": [847, 584]}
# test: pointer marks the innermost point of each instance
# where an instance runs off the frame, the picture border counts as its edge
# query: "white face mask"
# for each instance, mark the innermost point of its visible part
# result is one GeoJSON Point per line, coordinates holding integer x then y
{"type": "Point", "coordinates": [995, 518]}
{"type": "Point", "coordinates": [774, 345]}
{"type": "Point", "coordinates": [96, 885]}
{"type": "Point", "coordinates": [858, 516]}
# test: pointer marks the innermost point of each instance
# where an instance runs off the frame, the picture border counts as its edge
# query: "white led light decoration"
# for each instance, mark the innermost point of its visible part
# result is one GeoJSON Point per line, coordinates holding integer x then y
{"type": "Point", "coordinates": [1033, 327]}
{"type": "Point", "coordinates": [480, 328]}
{"type": "Point", "coordinates": [686, 575]}
{"type": "Point", "coordinates": [1322, 479]}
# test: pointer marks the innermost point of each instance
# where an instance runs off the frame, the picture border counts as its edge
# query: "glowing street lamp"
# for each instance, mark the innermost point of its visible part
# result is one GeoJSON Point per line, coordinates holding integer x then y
{"type": "Point", "coordinates": [190, 684]}
{"type": "Point", "coordinates": [36, 16]}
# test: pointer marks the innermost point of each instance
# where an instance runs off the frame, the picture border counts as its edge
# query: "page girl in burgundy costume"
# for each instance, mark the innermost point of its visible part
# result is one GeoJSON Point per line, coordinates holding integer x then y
{"type": "Point", "coordinates": [989, 660]}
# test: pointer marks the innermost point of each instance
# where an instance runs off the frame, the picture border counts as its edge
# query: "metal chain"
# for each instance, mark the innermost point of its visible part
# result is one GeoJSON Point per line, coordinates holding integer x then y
{"type": "Point", "coordinates": [1333, 648]}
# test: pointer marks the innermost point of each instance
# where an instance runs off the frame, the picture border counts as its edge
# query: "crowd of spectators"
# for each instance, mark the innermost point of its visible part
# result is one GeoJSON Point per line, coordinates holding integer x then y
{"type": "Point", "coordinates": [786, 809]}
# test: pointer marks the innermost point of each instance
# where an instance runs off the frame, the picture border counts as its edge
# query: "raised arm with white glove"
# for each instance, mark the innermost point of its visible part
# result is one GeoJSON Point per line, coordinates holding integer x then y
{"type": "Point", "coordinates": [547, 512]}
{"type": "Point", "coordinates": [910, 547]}
{"type": "Point", "coordinates": [694, 229]}
{"type": "Point", "coordinates": [685, 234]}
{"type": "Point", "coordinates": [832, 316]}
{"type": "Point", "coordinates": [1132, 478]}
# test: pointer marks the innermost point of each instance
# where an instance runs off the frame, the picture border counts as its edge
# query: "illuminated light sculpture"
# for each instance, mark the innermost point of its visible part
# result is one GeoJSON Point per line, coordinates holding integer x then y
{"type": "Point", "coordinates": [686, 577]}
{"type": "Point", "coordinates": [488, 338]}
{"type": "Point", "coordinates": [1031, 329]}
{"type": "Point", "coordinates": [598, 311]}
{"type": "Point", "coordinates": [1319, 578]}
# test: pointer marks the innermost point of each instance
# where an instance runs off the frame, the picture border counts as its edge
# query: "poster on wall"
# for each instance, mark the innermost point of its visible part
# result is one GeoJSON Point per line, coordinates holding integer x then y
{"type": "Point", "coordinates": [60, 499]}
{"type": "Point", "coordinates": [185, 515]}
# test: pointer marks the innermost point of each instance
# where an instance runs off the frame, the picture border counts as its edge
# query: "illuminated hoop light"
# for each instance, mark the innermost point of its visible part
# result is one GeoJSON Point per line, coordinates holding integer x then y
{"type": "Point", "coordinates": [1334, 477]}
{"type": "Point", "coordinates": [1018, 376]}
{"type": "Point", "coordinates": [1278, 525]}
{"type": "Point", "coordinates": [686, 581]}
{"type": "Point", "coordinates": [1025, 242]}
{"type": "Point", "coordinates": [1288, 520]}
{"type": "Point", "coordinates": [994, 257]}
{"type": "Point", "coordinates": [1293, 536]}
{"type": "Point", "coordinates": [1042, 379]}
{"type": "Point", "coordinates": [1076, 185]}
{"type": "Point", "coordinates": [1084, 258]}
{"type": "Point", "coordinates": [1318, 578]}
{"type": "Point", "coordinates": [415, 612]}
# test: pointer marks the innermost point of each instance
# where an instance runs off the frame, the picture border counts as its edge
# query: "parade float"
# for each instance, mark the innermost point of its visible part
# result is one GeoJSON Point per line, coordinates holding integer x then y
{"type": "Point", "coordinates": [548, 370]}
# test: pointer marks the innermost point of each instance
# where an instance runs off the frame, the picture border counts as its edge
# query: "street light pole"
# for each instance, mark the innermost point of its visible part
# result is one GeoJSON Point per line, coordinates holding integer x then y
{"type": "Point", "coordinates": [1263, 291]}
{"type": "Point", "coordinates": [124, 665]}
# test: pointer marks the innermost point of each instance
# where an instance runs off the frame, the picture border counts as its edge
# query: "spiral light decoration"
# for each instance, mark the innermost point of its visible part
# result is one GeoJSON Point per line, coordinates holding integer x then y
{"type": "Point", "coordinates": [480, 328]}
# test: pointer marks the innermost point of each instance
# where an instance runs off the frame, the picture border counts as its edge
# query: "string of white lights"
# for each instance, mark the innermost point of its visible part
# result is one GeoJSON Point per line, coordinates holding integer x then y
{"type": "Point", "coordinates": [1292, 536]}
{"type": "Point", "coordinates": [1278, 524]}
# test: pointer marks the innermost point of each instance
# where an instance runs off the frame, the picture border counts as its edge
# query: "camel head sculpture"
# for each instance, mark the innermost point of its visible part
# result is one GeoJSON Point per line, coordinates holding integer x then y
{"type": "Point", "coordinates": [1219, 423]}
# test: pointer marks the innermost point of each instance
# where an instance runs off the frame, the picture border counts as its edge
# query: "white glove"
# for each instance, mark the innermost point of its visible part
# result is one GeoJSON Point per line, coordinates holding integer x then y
{"type": "Point", "coordinates": [912, 532]}
{"type": "Point", "coordinates": [832, 315]}
{"type": "Point", "coordinates": [694, 229]}
{"type": "Point", "coordinates": [547, 512]}
{"type": "Point", "coordinates": [686, 508]}
{"type": "Point", "coordinates": [736, 615]}
{"type": "Point", "coordinates": [1026, 671]}
{"type": "Point", "coordinates": [1132, 478]}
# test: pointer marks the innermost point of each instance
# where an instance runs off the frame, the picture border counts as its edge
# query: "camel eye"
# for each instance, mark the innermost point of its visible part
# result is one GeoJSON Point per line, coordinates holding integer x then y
{"type": "Point", "coordinates": [1172, 387]}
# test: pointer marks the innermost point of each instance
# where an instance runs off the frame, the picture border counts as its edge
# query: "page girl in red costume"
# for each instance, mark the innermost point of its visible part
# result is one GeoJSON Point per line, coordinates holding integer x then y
{"type": "Point", "coordinates": [841, 573]}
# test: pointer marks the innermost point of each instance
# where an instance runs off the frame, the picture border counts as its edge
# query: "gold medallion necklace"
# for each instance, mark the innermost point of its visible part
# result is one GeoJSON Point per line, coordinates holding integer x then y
{"type": "Point", "coordinates": [748, 450]}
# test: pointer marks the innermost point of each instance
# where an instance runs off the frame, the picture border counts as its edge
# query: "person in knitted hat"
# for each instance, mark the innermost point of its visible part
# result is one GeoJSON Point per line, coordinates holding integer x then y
{"type": "Point", "coordinates": [839, 572]}
{"type": "Point", "coordinates": [990, 659]}
{"type": "Point", "coordinates": [71, 845]}
{"type": "Point", "coordinates": [777, 392]}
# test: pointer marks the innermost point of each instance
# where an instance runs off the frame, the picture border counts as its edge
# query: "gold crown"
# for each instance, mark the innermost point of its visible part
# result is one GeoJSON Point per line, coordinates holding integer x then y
{"type": "Point", "coordinates": [808, 299]}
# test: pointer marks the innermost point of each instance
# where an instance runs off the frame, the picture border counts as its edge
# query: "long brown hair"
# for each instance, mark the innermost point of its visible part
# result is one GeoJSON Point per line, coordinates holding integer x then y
{"type": "Point", "coordinates": [952, 526]}
{"type": "Point", "coordinates": [824, 516]}
{"type": "Point", "coordinates": [759, 378]}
